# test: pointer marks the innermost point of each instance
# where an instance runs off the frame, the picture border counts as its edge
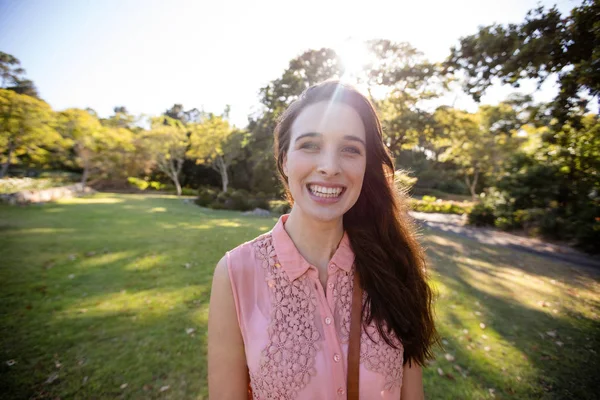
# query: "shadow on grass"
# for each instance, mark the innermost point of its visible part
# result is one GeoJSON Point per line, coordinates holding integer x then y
{"type": "Point", "coordinates": [560, 349]}
{"type": "Point", "coordinates": [93, 356]}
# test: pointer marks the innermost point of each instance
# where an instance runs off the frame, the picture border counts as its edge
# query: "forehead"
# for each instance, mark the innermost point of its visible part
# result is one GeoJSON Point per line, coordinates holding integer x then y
{"type": "Point", "coordinates": [329, 119]}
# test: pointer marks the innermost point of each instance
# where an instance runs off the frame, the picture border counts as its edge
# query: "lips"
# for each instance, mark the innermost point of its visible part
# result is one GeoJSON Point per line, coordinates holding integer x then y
{"type": "Point", "coordinates": [331, 191]}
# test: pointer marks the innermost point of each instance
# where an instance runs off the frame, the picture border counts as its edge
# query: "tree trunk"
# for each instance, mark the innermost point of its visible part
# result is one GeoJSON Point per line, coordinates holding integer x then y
{"type": "Point", "coordinates": [174, 173]}
{"type": "Point", "coordinates": [4, 171]}
{"type": "Point", "coordinates": [223, 171]}
{"type": "Point", "coordinates": [86, 171]}
{"type": "Point", "coordinates": [472, 185]}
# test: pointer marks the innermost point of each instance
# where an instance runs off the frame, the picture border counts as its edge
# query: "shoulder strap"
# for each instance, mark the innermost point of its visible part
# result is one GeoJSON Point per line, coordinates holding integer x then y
{"type": "Point", "coordinates": [354, 345]}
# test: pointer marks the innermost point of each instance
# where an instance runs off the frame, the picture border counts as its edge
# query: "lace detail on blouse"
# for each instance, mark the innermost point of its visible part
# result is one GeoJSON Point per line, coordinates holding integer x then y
{"type": "Point", "coordinates": [287, 362]}
{"type": "Point", "coordinates": [379, 357]}
{"type": "Point", "coordinates": [342, 298]}
{"type": "Point", "coordinates": [375, 354]}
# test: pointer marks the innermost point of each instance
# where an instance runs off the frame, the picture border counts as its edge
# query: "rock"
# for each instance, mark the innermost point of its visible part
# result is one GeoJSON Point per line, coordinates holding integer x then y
{"type": "Point", "coordinates": [46, 195]}
{"type": "Point", "coordinates": [259, 212]}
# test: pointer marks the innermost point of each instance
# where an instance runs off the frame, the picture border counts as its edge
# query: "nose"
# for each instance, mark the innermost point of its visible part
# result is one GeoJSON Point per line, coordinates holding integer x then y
{"type": "Point", "coordinates": [329, 164]}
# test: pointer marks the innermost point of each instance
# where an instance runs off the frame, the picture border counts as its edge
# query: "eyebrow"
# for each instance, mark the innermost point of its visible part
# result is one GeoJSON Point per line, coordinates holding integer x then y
{"type": "Point", "coordinates": [316, 134]}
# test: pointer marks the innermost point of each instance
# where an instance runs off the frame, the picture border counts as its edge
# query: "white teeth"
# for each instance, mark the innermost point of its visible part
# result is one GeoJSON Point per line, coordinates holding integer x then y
{"type": "Point", "coordinates": [324, 191]}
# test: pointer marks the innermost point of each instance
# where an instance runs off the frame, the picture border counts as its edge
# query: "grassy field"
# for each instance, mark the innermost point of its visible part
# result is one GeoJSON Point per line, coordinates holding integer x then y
{"type": "Point", "coordinates": [107, 297]}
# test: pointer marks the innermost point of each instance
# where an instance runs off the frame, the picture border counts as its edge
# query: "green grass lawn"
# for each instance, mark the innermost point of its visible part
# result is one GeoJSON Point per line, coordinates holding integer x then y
{"type": "Point", "coordinates": [107, 297]}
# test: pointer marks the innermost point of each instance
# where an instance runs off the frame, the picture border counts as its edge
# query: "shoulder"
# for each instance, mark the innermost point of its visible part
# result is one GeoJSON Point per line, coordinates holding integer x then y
{"type": "Point", "coordinates": [246, 257]}
{"type": "Point", "coordinates": [255, 248]}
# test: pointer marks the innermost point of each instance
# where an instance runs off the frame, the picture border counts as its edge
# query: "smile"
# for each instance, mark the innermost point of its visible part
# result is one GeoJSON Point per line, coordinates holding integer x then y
{"type": "Point", "coordinates": [325, 192]}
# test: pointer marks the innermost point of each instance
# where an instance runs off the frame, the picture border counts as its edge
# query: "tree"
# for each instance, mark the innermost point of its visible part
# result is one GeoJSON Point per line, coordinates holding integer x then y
{"type": "Point", "coordinates": [409, 81]}
{"type": "Point", "coordinates": [479, 143]}
{"type": "Point", "coordinates": [24, 128]}
{"type": "Point", "coordinates": [120, 119]}
{"type": "Point", "coordinates": [85, 136]}
{"type": "Point", "coordinates": [214, 142]}
{"type": "Point", "coordinates": [167, 142]}
{"type": "Point", "coordinates": [465, 144]}
{"type": "Point", "coordinates": [190, 116]}
{"type": "Point", "coordinates": [545, 43]}
{"type": "Point", "coordinates": [12, 75]}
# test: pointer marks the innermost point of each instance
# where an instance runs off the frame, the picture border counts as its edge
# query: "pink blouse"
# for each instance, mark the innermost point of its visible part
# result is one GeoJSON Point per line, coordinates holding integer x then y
{"type": "Point", "coordinates": [296, 332]}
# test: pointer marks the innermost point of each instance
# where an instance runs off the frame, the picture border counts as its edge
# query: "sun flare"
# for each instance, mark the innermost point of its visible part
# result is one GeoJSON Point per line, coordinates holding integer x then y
{"type": "Point", "coordinates": [355, 57]}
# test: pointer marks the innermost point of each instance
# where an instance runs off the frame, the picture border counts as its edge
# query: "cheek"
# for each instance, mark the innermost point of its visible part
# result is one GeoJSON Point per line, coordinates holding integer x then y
{"type": "Point", "coordinates": [298, 165]}
{"type": "Point", "coordinates": [355, 171]}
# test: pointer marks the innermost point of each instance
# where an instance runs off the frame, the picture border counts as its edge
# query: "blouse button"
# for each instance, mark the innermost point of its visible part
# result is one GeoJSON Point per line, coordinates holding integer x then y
{"type": "Point", "coordinates": [332, 266]}
{"type": "Point", "coordinates": [330, 285]}
{"type": "Point", "coordinates": [336, 358]}
{"type": "Point", "coordinates": [341, 391]}
{"type": "Point", "coordinates": [328, 321]}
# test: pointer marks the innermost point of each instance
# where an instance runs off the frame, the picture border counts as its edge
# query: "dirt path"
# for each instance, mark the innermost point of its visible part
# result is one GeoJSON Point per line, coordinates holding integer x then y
{"type": "Point", "coordinates": [455, 224]}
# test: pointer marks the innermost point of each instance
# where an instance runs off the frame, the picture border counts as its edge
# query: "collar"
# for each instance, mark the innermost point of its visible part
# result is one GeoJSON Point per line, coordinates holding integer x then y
{"type": "Point", "coordinates": [292, 261]}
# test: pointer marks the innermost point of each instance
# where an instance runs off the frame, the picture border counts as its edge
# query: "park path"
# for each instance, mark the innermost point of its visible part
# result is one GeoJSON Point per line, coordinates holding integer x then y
{"type": "Point", "coordinates": [455, 224]}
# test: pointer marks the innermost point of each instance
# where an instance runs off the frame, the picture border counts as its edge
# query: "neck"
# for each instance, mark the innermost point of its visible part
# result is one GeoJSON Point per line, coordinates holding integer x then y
{"type": "Point", "coordinates": [316, 240]}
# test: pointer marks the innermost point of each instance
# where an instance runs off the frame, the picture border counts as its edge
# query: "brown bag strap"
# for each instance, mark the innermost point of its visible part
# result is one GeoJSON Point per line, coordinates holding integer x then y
{"type": "Point", "coordinates": [354, 345]}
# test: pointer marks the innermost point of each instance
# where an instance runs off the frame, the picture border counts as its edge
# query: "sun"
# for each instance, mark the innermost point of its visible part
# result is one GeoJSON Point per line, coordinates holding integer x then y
{"type": "Point", "coordinates": [355, 57]}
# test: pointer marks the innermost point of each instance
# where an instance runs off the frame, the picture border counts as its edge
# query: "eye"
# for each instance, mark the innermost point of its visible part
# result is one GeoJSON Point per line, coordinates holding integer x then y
{"type": "Point", "coordinates": [353, 149]}
{"type": "Point", "coordinates": [309, 145]}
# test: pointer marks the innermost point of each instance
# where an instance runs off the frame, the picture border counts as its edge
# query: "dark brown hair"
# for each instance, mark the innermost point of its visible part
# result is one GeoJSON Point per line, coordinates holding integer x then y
{"type": "Point", "coordinates": [389, 259]}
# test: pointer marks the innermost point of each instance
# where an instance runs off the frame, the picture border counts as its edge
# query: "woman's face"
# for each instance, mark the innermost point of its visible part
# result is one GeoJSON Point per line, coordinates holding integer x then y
{"type": "Point", "coordinates": [325, 163]}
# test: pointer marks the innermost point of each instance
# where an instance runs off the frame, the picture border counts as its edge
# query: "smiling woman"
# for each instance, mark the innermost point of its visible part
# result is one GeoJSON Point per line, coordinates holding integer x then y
{"type": "Point", "coordinates": [334, 301]}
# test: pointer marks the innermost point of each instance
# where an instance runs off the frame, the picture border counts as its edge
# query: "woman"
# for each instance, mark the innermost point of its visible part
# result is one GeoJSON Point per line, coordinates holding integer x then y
{"type": "Point", "coordinates": [280, 306]}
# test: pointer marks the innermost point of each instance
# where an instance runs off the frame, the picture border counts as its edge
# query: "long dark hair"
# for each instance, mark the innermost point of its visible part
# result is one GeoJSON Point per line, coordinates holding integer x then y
{"type": "Point", "coordinates": [388, 257]}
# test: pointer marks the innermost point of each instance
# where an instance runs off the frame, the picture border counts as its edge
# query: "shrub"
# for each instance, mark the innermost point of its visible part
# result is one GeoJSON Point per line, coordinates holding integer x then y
{"type": "Point", "coordinates": [234, 199]}
{"type": "Point", "coordinates": [279, 207]}
{"type": "Point", "coordinates": [206, 196]}
{"type": "Point", "coordinates": [439, 206]}
{"type": "Point", "coordinates": [143, 184]}
{"type": "Point", "coordinates": [237, 200]}
{"type": "Point", "coordinates": [138, 183]}
{"type": "Point", "coordinates": [481, 215]}
{"type": "Point", "coordinates": [454, 186]}
{"type": "Point", "coordinates": [255, 202]}
{"type": "Point", "coordinates": [157, 185]}
{"type": "Point", "coordinates": [188, 191]}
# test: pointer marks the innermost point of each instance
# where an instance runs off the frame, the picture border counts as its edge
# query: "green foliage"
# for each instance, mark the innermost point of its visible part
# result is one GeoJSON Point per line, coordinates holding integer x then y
{"type": "Point", "coordinates": [430, 204]}
{"type": "Point", "coordinates": [167, 143]}
{"type": "Point", "coordinates": [143, 184]}
{"type": "Point", "coordinates": [279, 207]}
{"type": "Point", "coordinates": [206, 196]}
{"type": "Point", "coordinates": [408, 80]}
{"type": "Point", "coordinates": [545, 43]}
{"type": "Point", "coordinates": [12, 76]}
{"type": "Point", "coordinates": [213, 141]}
{"type": "Point", "coordinates": [138, 183]}
{"type": "Point", "coordinates": [453, 186]}
{"type": "Point", "coordinates": [25, 129]}
{"type": "Point", "coordinates": [481, 215]}
{"type": "Point", "coordinates": [235, 199]}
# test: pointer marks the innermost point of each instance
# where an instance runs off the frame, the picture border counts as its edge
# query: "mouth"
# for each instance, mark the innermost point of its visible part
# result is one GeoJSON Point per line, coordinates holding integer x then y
{"type": "Point", "coordinates": [326, 192]}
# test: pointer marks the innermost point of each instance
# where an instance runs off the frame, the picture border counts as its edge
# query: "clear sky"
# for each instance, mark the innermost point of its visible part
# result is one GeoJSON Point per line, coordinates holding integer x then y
{"type": "Point", "coordinates": [148, 55]}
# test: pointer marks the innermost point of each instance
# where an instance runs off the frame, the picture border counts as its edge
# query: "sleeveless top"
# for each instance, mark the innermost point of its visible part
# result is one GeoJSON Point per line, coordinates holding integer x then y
{"type": "Point", "coordinates": [296, 332]}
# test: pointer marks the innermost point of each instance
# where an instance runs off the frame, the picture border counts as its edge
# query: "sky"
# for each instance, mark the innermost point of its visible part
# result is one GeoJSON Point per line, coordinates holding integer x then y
{"type": "Point", "coordinates": [147, 55]}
